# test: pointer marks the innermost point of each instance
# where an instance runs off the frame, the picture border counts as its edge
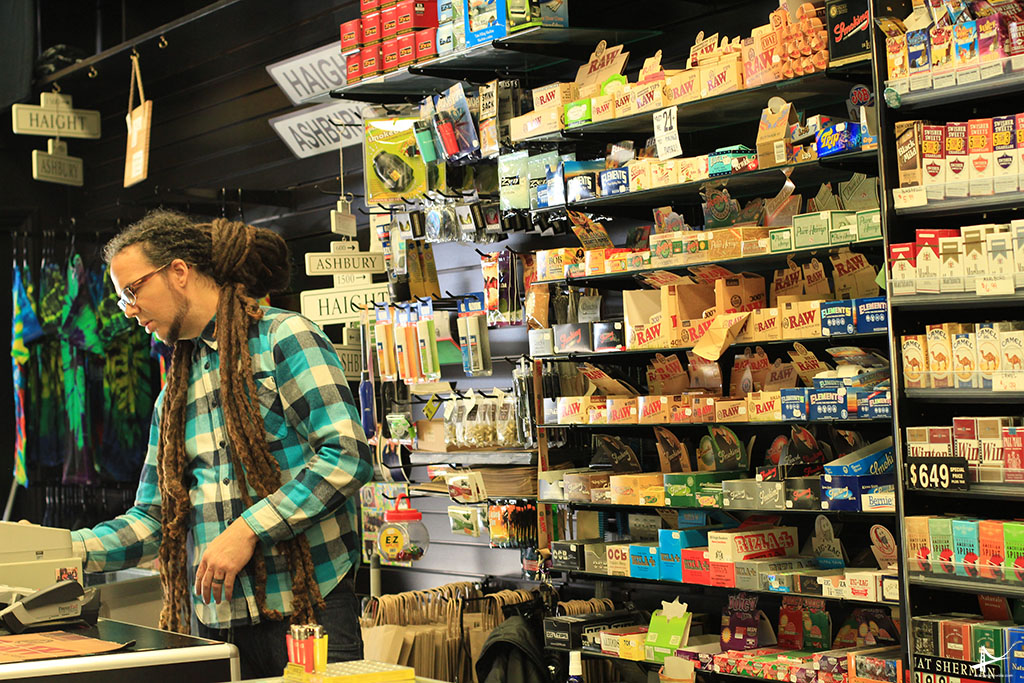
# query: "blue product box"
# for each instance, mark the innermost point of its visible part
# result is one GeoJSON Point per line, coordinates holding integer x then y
{"type": "Point", "coordinates": [1014, 672]}
{"type": "Point", "coordinates": [871, 314]}
{"type": "Point", "coordinates": [837, 318]}
{"type": "Point", "coordinates": [838, 138]}
{"type": "Point", "coordinates": [613, 181]}
{"type": "Point", "coordinates": [729, 160]}
{"type": "Point", "coordinates": [827, 404]}
{"type": "Point", "coordinates": [670, 565]}
{"type": "Point", "coordinates": [875, 404]}
{"type": "Point", "coordinates": [484, 21]}
{"type": "Point", "coordinates": [794, 403]}
{"type": "Point", "coordinates": [840, 492]}
{"type": "Point", "coordinates": [645, 561]}
{"type": "Point", "coordinates": [966, 546]}
{"type": "Point", "coordinates": [828, 382]}
{"type": "Point", "coordinates": [444, 10]}
{"type": "Point", "coordinates": [875, 458]}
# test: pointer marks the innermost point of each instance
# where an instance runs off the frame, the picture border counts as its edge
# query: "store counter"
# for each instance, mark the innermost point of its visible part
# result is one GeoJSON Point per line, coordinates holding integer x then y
{"type": "Point", "coordinates": [156, 657]}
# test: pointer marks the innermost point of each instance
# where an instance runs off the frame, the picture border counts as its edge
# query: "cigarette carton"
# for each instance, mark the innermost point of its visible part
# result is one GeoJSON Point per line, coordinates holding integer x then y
{"type": "Point", "coordinates": [957, 167]}
{"type": "Point", "coordinates": [976, 263]}
{"type": "Point", "coordinates": [903, 268]}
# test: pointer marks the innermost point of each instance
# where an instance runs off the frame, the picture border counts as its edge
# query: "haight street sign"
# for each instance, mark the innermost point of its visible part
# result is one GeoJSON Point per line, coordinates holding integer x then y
{"type": "Point", "coordinates": [340, 305]}
{"type": "Point", "coordinates": [55, 166]}
{"type": "Point", "coordinates": [309, 131]}
{"type": "Point", "coordinates": [318, 263]}
{"type": "Point", "coordinates": [311, 76]}
{"type": "Point", "coordinates": [54, 117]}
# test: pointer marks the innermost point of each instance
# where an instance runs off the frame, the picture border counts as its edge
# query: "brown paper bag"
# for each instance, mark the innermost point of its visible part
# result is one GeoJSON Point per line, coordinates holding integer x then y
{"type": "Point", "coordinates": [136, 159]}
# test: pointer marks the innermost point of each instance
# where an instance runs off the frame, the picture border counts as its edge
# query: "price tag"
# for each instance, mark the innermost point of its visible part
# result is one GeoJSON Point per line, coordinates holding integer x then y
{"type": "Point", "coordinates": [939, 472]}
{"type": "Point", "coordinates": [432, 405]}
{"type": "Point", "coordinates": [906, 197]}
{"type": "Point", "coordinates": [666, 133]}
{"type": "Point", "coordinates": [994, 285]}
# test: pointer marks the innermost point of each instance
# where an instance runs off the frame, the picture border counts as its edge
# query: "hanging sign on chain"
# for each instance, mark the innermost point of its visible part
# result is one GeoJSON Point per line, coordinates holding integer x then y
{"type": "Point", "coordinates": [311, 76]}
{"type": "Point", "coordinates": [342, 304]}
{"type": "Point", "coordinates": [319, 263]}
{"type": "Point", "coordinates": [55, 166]}
{"type": "Point", "coordinates": [54, 117]}
{"type": "Point", "coordinates": [138, 120]}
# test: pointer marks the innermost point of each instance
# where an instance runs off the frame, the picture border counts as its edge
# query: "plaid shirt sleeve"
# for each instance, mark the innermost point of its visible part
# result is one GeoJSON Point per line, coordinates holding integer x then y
{"type": "Point", "coordinates": [133, 537]}
{"type": "Point", "coordinates": [319, 406]}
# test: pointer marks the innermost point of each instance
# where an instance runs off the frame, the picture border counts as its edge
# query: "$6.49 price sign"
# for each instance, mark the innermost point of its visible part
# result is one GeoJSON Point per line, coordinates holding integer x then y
{"type": "Point", "coordinates": [937, 473]}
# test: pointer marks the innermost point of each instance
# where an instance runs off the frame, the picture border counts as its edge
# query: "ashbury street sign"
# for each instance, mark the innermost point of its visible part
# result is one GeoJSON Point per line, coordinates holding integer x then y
{"type": "Point", "coordinates": [309, 77]}
{"type": "Point", "coordinates": [54, 117]}
{"type": "Point", "coordinates": [55, 166]}
{"type": "Point", "coordinates": [342, 264]}
{"type": "Point", "coordinates": [309, 131]}
{"type": "Point", "coordinates": [341, 304]}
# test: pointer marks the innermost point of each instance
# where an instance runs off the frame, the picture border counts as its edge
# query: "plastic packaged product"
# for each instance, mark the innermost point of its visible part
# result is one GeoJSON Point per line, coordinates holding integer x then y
{"type": "Point", "coordinates": [407, 344]}
{"type": "Point", "coordinates": [402, 428]}
{"type": "Point", "coordinates": [394, 166]}
{"type": "Point", "coordinates": [453, 125]}
{"type": "Point", "coordinates": [384, 341]}
{"type": "Point", "coordinates": [513, 180]}
{"type": "Point", "coordinates": [474, 338]}
{"type": "Point", "coordinates": [506, 427]}
{"type": "Point", "coordinates": [522, 384]}
{"type": "Point", "coordinates": [466, 407]}
{"type": "Point", "coordinates": [450, 416]}
{"type": "Point", "coordinates": [441, 223]}
{"type": "Point", "coordinates": [426, 338]}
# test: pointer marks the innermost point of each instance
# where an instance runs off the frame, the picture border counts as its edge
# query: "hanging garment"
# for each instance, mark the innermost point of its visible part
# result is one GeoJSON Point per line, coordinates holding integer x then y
{"type": "Point", "coordinates": [50, 436]}
{"type": "Point", "coordinates": [25, 329]}
{"type": "Point", "coordinates": [79, 337]}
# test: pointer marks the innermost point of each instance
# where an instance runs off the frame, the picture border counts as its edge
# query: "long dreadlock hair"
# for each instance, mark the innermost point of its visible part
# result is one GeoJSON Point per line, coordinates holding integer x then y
{"type": "Point", "coordinates": [247, 263]}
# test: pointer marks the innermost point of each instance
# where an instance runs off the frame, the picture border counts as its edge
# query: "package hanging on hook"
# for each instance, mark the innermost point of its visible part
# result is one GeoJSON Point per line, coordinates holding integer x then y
{"type": "Point", "coordinates": [384, 340]}
{"type": "Point", "coordinates": [426, 337]}
{"type": "Point", "coordinates": [474, 338]}
{"type": "Point", "coordinates": [407, 344]}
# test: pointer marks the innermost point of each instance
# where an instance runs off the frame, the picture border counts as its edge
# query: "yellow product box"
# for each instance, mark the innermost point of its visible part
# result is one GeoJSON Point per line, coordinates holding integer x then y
{"type": "Point", "coordinates": [939, 340]}
{"type": "Point", "coordinates": [800, 319]}
{"type": "Point", "coordinates": [595, 409]}
{"type": "Point", "coordinates": [652, 495]}
{"type": "Point", "coordinates": [666, 249]}
{"type": "Point", "coordinates": [648, 97]}
{"type": "Point", "coordinates": [549, 264]}
{"type": "Point", "coordinates": [762, 325]}
{"type": "Point", "coordinates": [754, 241]}
{"type": "Point", "coordinates": [731, 410]}
{"type": "Point", "coordinates": [653, 409]}
{"type": "Point", "coordinates": [703, 409]}
{"type": "Point", "coordinates": [639, 259]}
{"type": "Point", "coordinates": [682, 87]}
{"type": "Point", "coordinates": [618, 262]}
{"type": "Point", "coordinates": [663, 173]}
{"type": "Point", "coordinates": [555, 95]}
{"type": "Point", "coordinates": [570, 410]}
{"type": "Point", "coordinates": [594, 262]}
{"type": "Point", "coordinates": [725, 76]}
{"type": "Point", "coordinates": [537, 122]}
{"type": "Point", "coordinates": [622, 410]}
{"type": "Point", "coordinates": [631, 647]}
{"type": "Point", "coordinates": [602, 108]}
{"type": "Point", "coordinates": [639, 175]}
{"type": "Point", "coordinates": [692, 169]}
{"type": "Point", "coordinates": [764, 406]}
{"type": "Point", "coordinates": [725, 243]}
{"type": "Point", "coordinates": [692, 330]}
{"type": "Point", "coordinates": [625, 489]}
{"type": "Point", "coordinates": [624, 103]}
{"type": "Point", "coordinates": [617, 555]}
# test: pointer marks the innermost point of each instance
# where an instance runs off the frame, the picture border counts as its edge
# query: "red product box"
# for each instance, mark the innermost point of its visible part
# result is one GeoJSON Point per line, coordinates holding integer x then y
{"type": "Point", "coordinates": [957, 160]}
{"type": "Point", "coordinates": [371, 61]}
{"type": "Point", "coordinates": [368, 5]}
{"type": "Point", "coordinates": [414, 15]}
{"type": "Point", "coordinates": [351, 34]}
{"type": "Point", "coordinates": [389, 54]}
{"type": "Point", "coordinates": [370, 26]}
{"type": "Point", "coordinates": [407, 49]}
{"type": "Point", "coordinates": [426, 44]}
{"type": "Point", "coordinates": [353, 67]}
{"type": "Point", "coordinates": [956, 639]}
{"type": "Point", "coordinates": [696, 566]}
{"type": "Point", "coordinates": [723, 574]}
{"type": "Point", "coordinates": [931, 237]}
{"type": "Point", "coordinates": [1013, 453]}
{"type": "Point", "coordinates": [979, 147]}
{"type": "Point", "coordinates": [389, 22]}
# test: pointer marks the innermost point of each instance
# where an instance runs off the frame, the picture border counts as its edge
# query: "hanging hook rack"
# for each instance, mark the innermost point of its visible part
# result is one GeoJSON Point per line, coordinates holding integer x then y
{"type": "Point", "coordinates": [342, 125]}
{"type": "Point", "coordinates": [368, 213]}
{"type": "Point", "coordinates": [384, 208]}
{"type": "Point", "coordinates": [162, 42]}
{"type": "Point", "coordinates": [332, 194]}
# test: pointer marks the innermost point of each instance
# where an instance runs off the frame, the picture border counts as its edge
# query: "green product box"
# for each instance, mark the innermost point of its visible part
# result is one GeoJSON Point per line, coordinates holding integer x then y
{"type": "Point", "coordinates": [869, 224]}
{"type": "Point", "coordinates": [990, 635]}
{"type": "Point", "coordinates": [1013, 542]}
{"type": "Point", "coordinates": [665, 636]}
{"type": "Point", "coordinates": [681, 488]}
{"type": "Point", "coordinates": [709, 496]}
{"type": "Point", "coordinates": [578, 113]}
{"type": "Point", "coordinates": [940, 544]}
{"type": "Point", "coordinates": [814, 229]}
{"type": "Point", "coordinates": [780, 240]}
{"type": "Point", "coordinates": [842, 234]}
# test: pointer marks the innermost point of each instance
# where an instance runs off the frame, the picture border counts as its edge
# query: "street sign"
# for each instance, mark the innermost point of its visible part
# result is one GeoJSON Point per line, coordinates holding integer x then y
{"type": "Point", "coordinates": [55, 166]}
{"type": "Point", "coordinates": [311, 76]}
{"type": "Point", "coordinates": [351, 360]}
{"type": "Point", "coordinates": [340, 305]}
{"type": "Point", "coordinates": [54, 117]}
{"type": "Point", "coordinates": [309, 131]}
{"type": "Point", "coordinates": [320, 263]}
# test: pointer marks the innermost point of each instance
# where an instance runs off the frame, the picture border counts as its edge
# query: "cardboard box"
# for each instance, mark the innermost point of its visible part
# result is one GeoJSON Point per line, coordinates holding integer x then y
{"type": "Point", "coordinates": [681, 488]}
{"type": "Point", "coordinates": [570, 554]}
{"type": "Point", "coordinates": [618, 559]}
{"type": "Point", "coordinates": [736, 544]}
{"type": "Point", "coordinates": [908, 152]}
{"type": "Point", "coordinates": [933, 156]}
{"type": "Point", "coordinates": [623, 410]}
{"type": "Point", "coordinates": [351, 35]}
{"type": "Point", "coordinates": [426, 44]}
{"type": "Point", "coordinates": [369, 27]}
{"type": "Point", "coordinates": [871, 314]}
{"type": "Point", "coordinates": [555, 95]}
{"type": "Point", "coordinates": [578, 487]}
{"type": "Point", "coordinates": [795, 403]}
{"type": "Point", "coordinates": [800, 319]}
{"type": "Point", "coordinates": [644, 561]}
{"type": "Point", "coordinates": [774, 139]}
{"type": "Point", "coordinates": [537, 122]}
{"type": "Point", "coordinates": [370, 58]}
{"type": "Point", "coordinates": [406, 49]}
{"type": "Point", "coordinates": [814, 229]}
{"type": "Point", "coordinates": [1004, 154]}
{"type": "Point", "coordinates": [780, 240]}
{"type": "Point", "coordinates": [979, 147]}
{"type": "Point", "coordinates": [696, 566]}
{"type": "Point", "coordinates": [976, 263]}
{"type": "Point", "coordinates": [573, 338]}
{"type": "Point", "coordinates": [875, 458]}
{"type": "Point", "coordinates": [353, 67]}
{"type": "Point", "coordinates": [957, 166]}
{"type": "Point", "coordinates": [869, 224]}
{"type": "Point", "coordinates": [389, 54]}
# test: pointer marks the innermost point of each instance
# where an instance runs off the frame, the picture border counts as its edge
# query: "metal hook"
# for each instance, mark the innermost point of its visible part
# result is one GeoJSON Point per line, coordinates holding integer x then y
{"type": "Point", "coordinates": [384, 208]}
{"type": "Point", "coordinates": [343, 125]}
{"type": "Point", "coordinates": [93, 73]}
{"type": "Point", "coordinates": [135, 53]}
{"type": "Point", "coordinates": [223, 202]}
{"type": "Point", "coordinates": [317, 188]}
{"type": "Point", "coordinates": [162, 42]}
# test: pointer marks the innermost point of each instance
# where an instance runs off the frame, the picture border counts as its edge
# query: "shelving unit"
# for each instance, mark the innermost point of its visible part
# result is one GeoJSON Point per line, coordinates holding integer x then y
{"type": "Point", "coordinates": [958, 301]}
{"type": "Point", "coordinates": [847, 515]}
{"type": "Point", "coordinates": [1009, 83]}
{"type": "Point", "coordinates": [765, 423]}
{"type": "Point", "coordinates": [962, 395]}
{"type": "Point", "coordinates": [473, 458]}
{"type": "Point", "coordinates": [1011, 201]}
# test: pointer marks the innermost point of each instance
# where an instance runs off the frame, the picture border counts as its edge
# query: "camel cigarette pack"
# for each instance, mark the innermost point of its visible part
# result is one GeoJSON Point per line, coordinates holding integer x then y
{"type": "Point", "coordinates": [979, 147]}
{"type": "Point", "coordinates": [965, 360]}
{"type": "Point", "coordinates": [1004, 154]}
{"type": "Point", "coordinates": [915, 364]}
{"type": "Point", "coordinates": [957, 171]}
{"type": "Point", "coordinates": [940, 351]}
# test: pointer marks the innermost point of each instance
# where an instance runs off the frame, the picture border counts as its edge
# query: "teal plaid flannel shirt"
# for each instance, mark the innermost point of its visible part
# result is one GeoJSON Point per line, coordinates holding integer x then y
{"type": "Point", "coordinates": [313, 430]}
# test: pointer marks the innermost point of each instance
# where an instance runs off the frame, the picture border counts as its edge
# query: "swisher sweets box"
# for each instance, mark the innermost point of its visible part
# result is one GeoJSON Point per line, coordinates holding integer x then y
{"type": "Point", "coordinates": [957, 167]}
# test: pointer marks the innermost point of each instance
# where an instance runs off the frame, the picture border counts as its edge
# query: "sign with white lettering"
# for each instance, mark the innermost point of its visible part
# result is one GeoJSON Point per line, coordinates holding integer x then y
{"type": "Point", "coordinates": [309, 131]}
{"type": "Point", "coordinates": [311, 76]}
{"type": "Point", "coordinates": [319, 263]}
{"type": "Point", "coordinates": [341, 305]}
{"type": "Point", "coordinates": [55, 166]}
{"type": "Point", "coordinates": [54, 117]}
{"type": "Point", "coordinates": [351, 360]}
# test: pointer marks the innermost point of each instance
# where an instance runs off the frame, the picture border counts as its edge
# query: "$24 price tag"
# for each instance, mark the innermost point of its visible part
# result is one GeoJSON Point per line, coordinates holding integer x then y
{"type": "Point", "coordinates": [937, 473]}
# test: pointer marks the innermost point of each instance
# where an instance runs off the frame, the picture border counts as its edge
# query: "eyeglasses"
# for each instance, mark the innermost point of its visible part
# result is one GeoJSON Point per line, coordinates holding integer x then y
{"type": "Point", "coordinates": [130, 292]}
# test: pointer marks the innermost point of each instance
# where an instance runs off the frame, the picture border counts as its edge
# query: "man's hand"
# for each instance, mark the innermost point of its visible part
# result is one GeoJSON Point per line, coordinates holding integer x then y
{"type": "Point", "coordinates": [223, 559]}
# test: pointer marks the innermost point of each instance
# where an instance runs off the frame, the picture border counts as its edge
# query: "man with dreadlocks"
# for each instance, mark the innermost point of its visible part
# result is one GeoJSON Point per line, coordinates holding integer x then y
{"type": "Point", "coordinates": [256, 453]}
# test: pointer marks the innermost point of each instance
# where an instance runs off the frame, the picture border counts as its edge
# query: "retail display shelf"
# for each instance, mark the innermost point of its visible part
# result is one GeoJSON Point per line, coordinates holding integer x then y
{"type": "Point", "coordinates": [966, 585]}
{"type": "Point", "coordinates": [473, 458]}
{"type": "Point", "coordinates": [520, 52]}
{"type": "Point", "coordinates": [842, 514]}
{"type": "Point", "coordinates": [754, 261]}
{"type": "Point", "coordinates": [767, 423]}
{"type": "Point", "coordinates": [766, 181]}
{"type": "Point", "coordinates": [996, 86]}
{"type": "Point", "coordinates": [597, 654]}
{"type": "Point", "coordinates": [597, 576]}
{"type": "Point", "coordinates": [597, 355]}
{"type": "Point", "coordinates": [965, 205]}
{"type": "Point", "coordinates": [965, 300]}
{"type": "Point", "coordinates": [740, 106]}
{"type": "Point", "coordinates": [964, 395]}
{"type": "Point", "coordinates": [1007, 491]}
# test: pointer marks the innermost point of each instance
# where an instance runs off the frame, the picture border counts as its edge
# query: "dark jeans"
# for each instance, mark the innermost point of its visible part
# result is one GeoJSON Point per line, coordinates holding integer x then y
{"type": "Point", "coordinates": [262, 646]}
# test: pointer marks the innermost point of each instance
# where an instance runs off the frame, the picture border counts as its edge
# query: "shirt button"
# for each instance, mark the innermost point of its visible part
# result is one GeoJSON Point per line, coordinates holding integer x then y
{"type": "Point", "coordinates": [207, 365]}
{"type": "Point", "coordinates": [223, 443]}
{"type": "Point", "coordinates": [227, 481]}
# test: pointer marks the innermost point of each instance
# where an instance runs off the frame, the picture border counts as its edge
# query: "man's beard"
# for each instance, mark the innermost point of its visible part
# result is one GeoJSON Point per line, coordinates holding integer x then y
{"type": "Point", "coordinates": [184, 306]}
